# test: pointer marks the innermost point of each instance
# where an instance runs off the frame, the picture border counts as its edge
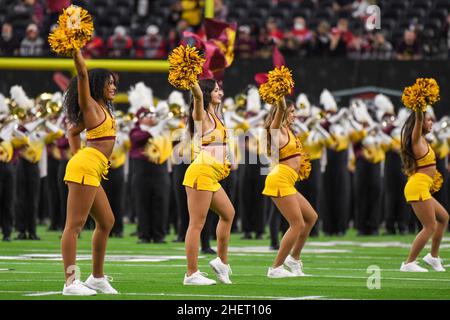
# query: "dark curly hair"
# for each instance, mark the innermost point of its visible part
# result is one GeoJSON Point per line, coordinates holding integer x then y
{"type": "Point", "coordinates": [207, 86]}
{"type": "Point", "coordinates": [97, 80]}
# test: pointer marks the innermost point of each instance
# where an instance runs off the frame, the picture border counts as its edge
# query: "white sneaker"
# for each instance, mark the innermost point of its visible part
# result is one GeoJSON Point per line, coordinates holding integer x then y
{"type": "Point", "coordinates": [412, 267]}
{"type": "Point", "coordinates": [77, 288]}
{"type": "Point", "coordinates": [436, 263]}
{"type": "Point", "coordinates": [279, 272]}
{"type": "Point", "coordinates": [296, 266]}
{"type": "Point", "coordinates": [100, 284]}
{"type": "Point", "coordinates": [198, 279]}
{"type": "Point", "coordinates": [222, 270]}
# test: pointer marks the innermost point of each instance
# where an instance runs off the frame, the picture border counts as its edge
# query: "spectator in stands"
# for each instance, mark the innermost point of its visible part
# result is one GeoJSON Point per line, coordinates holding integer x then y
{"type": "Point", "coordinates": [220, 10]}
{"type": "Point", "coordinates": [264, 44]}
{"type": "Point", "coordinates": [175, 14]}
{"type": "Point", "coordinates": [321, 46]}
{"type": "Point", "coordinates": [246, 45]}
{"type": "Point", "coordinates": [94, 48]}
{"type": "Point", "coordinates": [301, 36]}
{"type": "Point", "coordinates": [359, 47]}
{"type": "Point", "coordinates": [341, 38]}
{"type": "Point", "coordinates": [120, 43]}
{"type": "Point", "coordinates": [21, 14]}
{"type": "Point", "coordinates": [274, 32]}
{"type": "Point", "coordinates": [342, 6]}
{"type": "Point", "coordinates": [9, 44]}
{"type": "Point", "coordinates": [32, 45]}
{"type": "Point", "coordinates": [409, 48]}
{"type": "Point", "coordinates": [381, 48]}
{"type": "Point", "coordinates": [38, 12]}
{"type": "Point", "coordinates": [152, 45]}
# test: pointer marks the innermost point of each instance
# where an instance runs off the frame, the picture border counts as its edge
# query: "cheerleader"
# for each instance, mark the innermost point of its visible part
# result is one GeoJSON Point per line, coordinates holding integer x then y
{"type": "Point", "coordinates": [202, 182]}
{"type": "Point", "coordinates": [419, 163]}
{"type": "Point", "coordinates": [280, 186]}
{"type": "Point", "coordinates": [88, 103]}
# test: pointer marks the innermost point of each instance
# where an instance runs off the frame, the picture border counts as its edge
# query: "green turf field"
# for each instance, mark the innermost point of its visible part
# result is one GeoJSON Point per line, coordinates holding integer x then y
{"type": "Point", "coordinates": [337, 269]}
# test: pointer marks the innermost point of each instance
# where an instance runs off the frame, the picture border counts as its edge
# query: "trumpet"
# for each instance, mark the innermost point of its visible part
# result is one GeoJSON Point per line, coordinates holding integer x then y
{"type": "Point", "coordinates": [46, 106]}
{"type": "Point", "coordinates": [240, 100]}
{"type": "Point", "coordinates": [176, 111]}
{"type": "Point", "coordinates": [16, 112]}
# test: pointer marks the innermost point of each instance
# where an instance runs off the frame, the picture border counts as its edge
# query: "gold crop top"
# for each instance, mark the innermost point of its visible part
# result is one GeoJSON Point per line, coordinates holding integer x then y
{"type": "Point", "coordinates": [429, 159]}
{"type": "Point", "coordinates": [104, 131]}
{"type": "Point", "coordinates": [291, 149]}
{"type": "Point", "coordinates": [216, 136]}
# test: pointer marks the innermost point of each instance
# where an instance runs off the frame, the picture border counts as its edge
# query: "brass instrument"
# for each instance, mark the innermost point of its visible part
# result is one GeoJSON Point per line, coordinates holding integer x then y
{"type": "Point", "coordinates": [16, 112]}
{"type": "Point", "coordinates": [240, 101]}
{"type": "Point", "coordinates": [176, 111]}
{"type": "Point", "coordinates": [46, 107]}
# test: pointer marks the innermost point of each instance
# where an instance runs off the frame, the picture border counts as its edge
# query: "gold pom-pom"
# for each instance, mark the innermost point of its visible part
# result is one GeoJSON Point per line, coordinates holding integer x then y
{"type": "Point", "coordinates": [185, 65]}
{"type": "Point", "coordinates": [278, 85]}
{"type": "Point", "coordinates": [424, 92]}
{"type": "Point", "coordinates": [305, 166]}
{"type": "Point", "coordinates": [437, 182]}
{"type": "Point", "coordinates": [74, 30]}
{"type": "Point", "coordinates": [158, 149]}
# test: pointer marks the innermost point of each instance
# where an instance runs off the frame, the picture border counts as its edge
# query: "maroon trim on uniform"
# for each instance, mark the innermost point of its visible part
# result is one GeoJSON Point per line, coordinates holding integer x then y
{"type": "Point", "coordinates": [291, 156]}
{"type": "Point", "coordinates": [106, 116]}
{"type": "Point", "coordinates": [103, 138]}
{"type": "Point", "coordinates": [428, 165]}
{"type": "Point", "coordinates": [428, 151]}
{"type": "Point", "coordinates": [289, 140]}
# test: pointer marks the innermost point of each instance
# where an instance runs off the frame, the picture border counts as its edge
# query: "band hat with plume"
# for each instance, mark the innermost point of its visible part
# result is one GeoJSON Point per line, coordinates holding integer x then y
{"type": "Point", "coordinates": [327, 100]}
{"type": "Point", "coordinates": [253, 100]}
{"type": "Point", "coordinates": [403, 114]}
{"type": "Point", "coordinates": [162, 109]}
{"type": "Point", "coordinates": [360, 112]}
{"type": "Point", "coordinates": [229, 104]}
{"type": "Point", "coordinates": [303, 105]}
{"type": "Point", "coordinates": [19, 96]}
{"type": "Point", "coordinates": [140, 96]}
{"type": "Point", "coordinates": [383, 106]}
{"type": "Point", "coordinates": [176, 97]}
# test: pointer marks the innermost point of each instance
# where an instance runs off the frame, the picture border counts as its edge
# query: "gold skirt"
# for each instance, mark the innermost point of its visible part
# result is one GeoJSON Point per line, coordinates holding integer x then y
{"type": "Point", "coordinates": [418, 187]}
{"type": "Point", "coordinates": [87, 167]}
{"type": "Point", "coordinates": [280, 182]}
{"type": "Point", "coordinates": [206, 171]}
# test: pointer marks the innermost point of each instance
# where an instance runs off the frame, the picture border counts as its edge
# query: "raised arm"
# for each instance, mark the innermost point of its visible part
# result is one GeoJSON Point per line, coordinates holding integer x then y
{"type": "Point", "coordinates": [198, 113]}
{"type": "Point", "coordinates": [84, 93]}
{"type": "Point", "coordinates": [417, 131]}
{"type": "Point", "coordinates": [278, 117]}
